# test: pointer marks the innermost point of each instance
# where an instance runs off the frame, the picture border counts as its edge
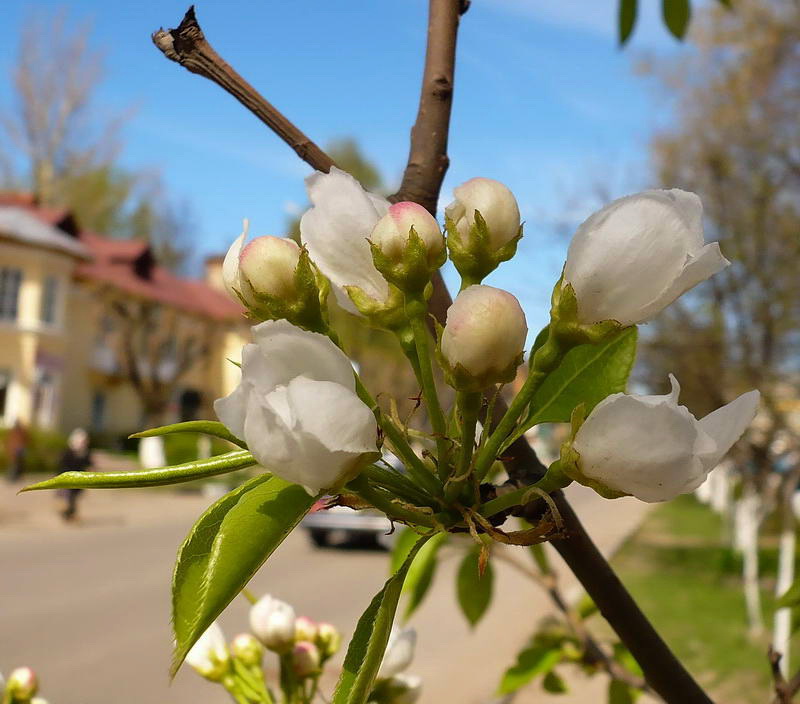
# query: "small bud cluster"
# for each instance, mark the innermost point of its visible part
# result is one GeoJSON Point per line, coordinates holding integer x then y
{"type": "Point", "coordinates": [21, 687]}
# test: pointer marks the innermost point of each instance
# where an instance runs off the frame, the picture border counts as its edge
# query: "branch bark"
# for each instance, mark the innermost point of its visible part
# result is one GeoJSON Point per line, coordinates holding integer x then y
{"type": "Point", "coordinates": [421, 183]}
{"type": "Point", "coordinates": [187, 45]}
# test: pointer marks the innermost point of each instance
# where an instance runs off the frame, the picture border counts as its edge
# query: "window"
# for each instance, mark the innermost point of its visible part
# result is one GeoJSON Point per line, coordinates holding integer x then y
{"type": "Point", "coordinates": [48, 307]}
{"type": "Point", "coordinates": [10, 280]}
{"type": "Point", "coordinates": [98, 410]}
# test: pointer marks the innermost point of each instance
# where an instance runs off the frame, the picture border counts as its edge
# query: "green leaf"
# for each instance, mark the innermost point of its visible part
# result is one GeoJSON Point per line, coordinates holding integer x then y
{"type": "Point", "coordinates": [187, 472]}
{"type": "Point", "coordinates": [790, 598]}
{"type": "Point", "coordinates": [627, 19]}
{"type": "Point", "coordinates": [402, 547]}
{"type": "Point", "coordinates": [366, 649]}
{"type": "Point", "coordinates": [534, 660]}
{"type": "Point", "coordinates": [620, 693]}
{"type": "Point", "coordinates": [421, 573]}
{"type": "Point", "coordinates": [474, 590]}
{"type": "Point", "coordinates": [676, 16]}
{"type": "Point", "coordinates": [587, 374]}
{"type": "Point", "coordinates": [225, 548]}
{"type": "Point", "coordinates": [554, 683]}
{"type": "Point", "coordinates": [207, 427]}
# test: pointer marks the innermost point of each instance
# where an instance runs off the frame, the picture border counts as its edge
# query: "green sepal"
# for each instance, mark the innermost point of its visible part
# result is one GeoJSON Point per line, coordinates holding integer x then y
{"type": "Point", "coordinates": [411, 273]}
{"type": "Point", "coordinates": [387, 315]}
{"type": "Point", "coordinates": [187, 472]}
{"type": "Point", "coordinates": [206, 427]}
{"type": "Point", "coordinates": [476, 258]}
{"type": "Point", "coordinates": [564, 323]}
{"type": "Point", "coordinates": [306, 309]}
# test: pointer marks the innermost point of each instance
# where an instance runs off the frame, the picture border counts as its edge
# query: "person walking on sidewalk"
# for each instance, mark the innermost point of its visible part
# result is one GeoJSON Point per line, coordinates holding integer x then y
{"type": "Point", "coordinates": [76, 458]}
{"type": "Point", "coordinates": [16, 447]}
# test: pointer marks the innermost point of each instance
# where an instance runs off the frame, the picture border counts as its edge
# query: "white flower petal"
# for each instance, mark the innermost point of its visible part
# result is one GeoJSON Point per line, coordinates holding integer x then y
{"type": "Point", "coordinates": [230, 265]}
{"type": "Point", "coordinates": [290, 352]}
{"type": "Point", "coordinates": [399, 652]}
{"type": "Point", "coordinates": [210, 647]}
{"type": "Point", "coordinates": [727, 424]}
{"type": "Point", "coordinates": [335, 230]}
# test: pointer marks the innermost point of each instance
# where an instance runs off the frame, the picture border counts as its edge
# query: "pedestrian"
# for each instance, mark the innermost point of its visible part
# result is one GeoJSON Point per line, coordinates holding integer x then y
{"type": "Point", "coordinates": [16, 448]}
{"type": "Point", "coordinates": [76, 458]}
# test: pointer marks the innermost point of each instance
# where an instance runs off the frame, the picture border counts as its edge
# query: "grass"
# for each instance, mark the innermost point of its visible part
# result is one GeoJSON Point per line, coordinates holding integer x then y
{"type": "Point", "coordinates": [686, 579]}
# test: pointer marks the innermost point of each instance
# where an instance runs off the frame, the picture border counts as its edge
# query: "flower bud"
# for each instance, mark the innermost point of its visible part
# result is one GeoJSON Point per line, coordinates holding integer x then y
{"type": "Point", "coordinates": [267, 267]}
{"type": "Point", "coordinates": [305, 629]}
{"type": "Point", "coordinates": [22, 684]}
{"type": "Point", "coordinates": [39, 700]}
{"type": "Point", "coordinates": [404, 689]}
{"type": "Point", "coordinates": [496, 204]}
{"type": "Point", "coordinates": [652, 448]}
{"type": "Point", "coordinates": [246, 648]}
{"type": "Point", "coordinates": [209, 656]}
{"type": "Point", "coordinates": [483, 340]}
{"type": "Point", "coordinates": [635, 256]}
{"type": "Point", "coordinates": [391, 234]}
{"type": "Point", "coordinates": [305, 659]}
{"type": "Point", "coordinates": [329, 640]}
{"type": "Point", "coordinates": [272, 622]}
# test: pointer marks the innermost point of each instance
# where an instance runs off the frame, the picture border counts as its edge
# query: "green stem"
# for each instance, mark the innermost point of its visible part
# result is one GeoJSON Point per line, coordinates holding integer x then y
{"type": "Point", "coordinates": [468, 405]}
{"type": "Point", "coordinates": [361, 486]}
{"type": "Point", "coordinates": [247, 594]}
{"type": "Point", "coordinates": [554, 479]}
{"type": "Point", "coordinates": [546, 359]}
{"type": "Point", "coordinates": [232, 686]}
{"type": "Point", "coordinates": [429, 393]}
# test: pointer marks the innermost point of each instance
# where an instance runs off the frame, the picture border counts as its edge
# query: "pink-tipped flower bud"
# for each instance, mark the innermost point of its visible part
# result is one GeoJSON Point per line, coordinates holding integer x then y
{"type": "Point", "coordinates": [329, 640]}
{"type": "Point", "coordinates": [22, 684]}
{"type": "Point", "coordinates": [272, 622]}
{"type": "Point", "coordinates": [305, 629]}
{"type": "Point", "coordinates": [305, 659]}
{"type": "Point", "coordinates": [391, 233]}
{"type": "Point", "coordinates": [483, 340]}
{"type": "Point", "coordinates": [247, 648]}
{"type": "Point", "coordinates": [496, 204]}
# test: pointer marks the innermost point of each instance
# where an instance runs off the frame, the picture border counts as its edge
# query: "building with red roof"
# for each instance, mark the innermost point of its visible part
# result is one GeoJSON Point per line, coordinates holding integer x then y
{"type": "Point", "coordinates": [61, 292]}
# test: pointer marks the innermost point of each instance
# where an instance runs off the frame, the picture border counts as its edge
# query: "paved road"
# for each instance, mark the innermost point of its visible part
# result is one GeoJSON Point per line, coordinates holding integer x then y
{"type": "Point", "coordinates": [88, 606]}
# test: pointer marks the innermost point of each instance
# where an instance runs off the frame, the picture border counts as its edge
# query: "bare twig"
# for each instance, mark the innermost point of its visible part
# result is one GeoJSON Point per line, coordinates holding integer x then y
{"type": "Point", "coordinates": [421, 182]}
{"type": "Point", "coordinates": [187, 46]}
{"type": "Point", "coordinates": [784, 690]}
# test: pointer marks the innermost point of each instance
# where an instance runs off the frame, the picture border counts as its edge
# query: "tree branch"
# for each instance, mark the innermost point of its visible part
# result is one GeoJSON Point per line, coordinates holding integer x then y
{"type": "Point", "coordinates": [187, 46]}
{"type": "Point", "coordinates": [421, 183]}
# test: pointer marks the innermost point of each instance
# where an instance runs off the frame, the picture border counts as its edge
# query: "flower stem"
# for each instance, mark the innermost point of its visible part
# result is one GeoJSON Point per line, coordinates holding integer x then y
{"type": "Point", "coordinates": [554, 479]}
{"type": "Point", "coordinates": [361, 486]}
{"type": "Point", "coordinates": [546, 358]}
{"type": "Point", "coordinates": [417, 320]}
{"type": "Point", "coordinates": [468, 406]}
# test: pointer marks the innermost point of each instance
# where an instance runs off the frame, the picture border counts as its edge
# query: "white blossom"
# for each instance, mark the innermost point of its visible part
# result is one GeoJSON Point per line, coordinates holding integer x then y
{"type": "Point", "coordinates": [654, 449]}
{"type": "Point", "coordinates": [297, 409]}
{"type": "Point", "coordinates": [408, 688]}
{"type": "Point", "coordinates": [399, 652]}
{"type": "Point", "coordinates": [273, 622]}
{"type": "Point", "coordinates": [496, 204]}
{"type": "Point", "coordinates": [209, 655]}
{"type": "Point", "coordinates": [335, 231]}
{"type": "Point", "coordinates": [635, 256]}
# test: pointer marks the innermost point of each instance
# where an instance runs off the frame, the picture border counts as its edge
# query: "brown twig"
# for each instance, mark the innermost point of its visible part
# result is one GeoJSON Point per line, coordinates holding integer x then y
{"type": "Point", "coordinates": [421, 183]}
{"type": "Point", "coordinates": [594, 652]}
{"type": "Point", "coordinates": [784, 690]}
{"type": "Point", "coordinates": [187, 45]}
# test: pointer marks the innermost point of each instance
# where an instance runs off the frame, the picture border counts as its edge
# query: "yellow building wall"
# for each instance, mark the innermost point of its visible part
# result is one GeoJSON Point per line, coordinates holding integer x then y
{"type": "Point", "coordinates": [27, 344]}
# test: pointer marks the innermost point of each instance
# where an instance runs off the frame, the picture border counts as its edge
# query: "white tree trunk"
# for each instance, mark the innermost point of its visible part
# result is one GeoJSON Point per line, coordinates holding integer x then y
{"type": "Point", "coordinates": [151, 453]}
{"type": "Point", "coordinates": [746, 540]}
{"type": "Point", "coordinates": [781, 637]}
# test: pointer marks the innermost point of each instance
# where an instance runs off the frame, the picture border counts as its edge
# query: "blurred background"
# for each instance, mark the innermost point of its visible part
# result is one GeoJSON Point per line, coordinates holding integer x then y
{"type": "Point", "coordinates": [123, 180]}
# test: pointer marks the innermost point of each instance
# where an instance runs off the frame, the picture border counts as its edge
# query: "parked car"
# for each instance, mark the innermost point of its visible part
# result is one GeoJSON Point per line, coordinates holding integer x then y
{"type": "Point", "coordinates": [340, 525]}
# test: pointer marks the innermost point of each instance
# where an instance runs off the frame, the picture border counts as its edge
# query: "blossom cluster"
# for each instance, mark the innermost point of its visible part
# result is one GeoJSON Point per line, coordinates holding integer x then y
{"type": "Point", "coordinates": [21, 687]}
{"type": "Point", "coordinates": [304, 416]}
{"type": "Point", "coordinates": [303, 648]}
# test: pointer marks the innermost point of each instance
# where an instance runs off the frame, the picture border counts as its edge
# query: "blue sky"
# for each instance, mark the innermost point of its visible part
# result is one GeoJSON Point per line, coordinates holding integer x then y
{"type": "Point", "coordinates": [545, 101]}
